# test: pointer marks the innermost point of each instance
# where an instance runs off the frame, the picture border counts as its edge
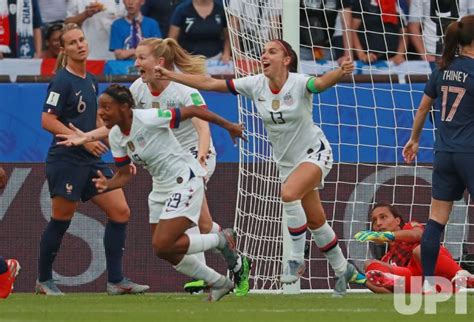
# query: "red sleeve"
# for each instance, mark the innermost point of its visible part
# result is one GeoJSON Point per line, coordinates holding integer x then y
{"type": "Point", "coordinates": [412, 224]}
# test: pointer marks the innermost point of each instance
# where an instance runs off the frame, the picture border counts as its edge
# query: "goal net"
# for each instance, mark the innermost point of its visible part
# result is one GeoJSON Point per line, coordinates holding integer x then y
{"type": "Point", "coordinates": [367, 119]}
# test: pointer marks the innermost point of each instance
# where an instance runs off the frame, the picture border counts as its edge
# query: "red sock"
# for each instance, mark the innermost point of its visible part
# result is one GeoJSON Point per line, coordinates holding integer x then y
{"type": "Point", "coordinates": [446, 266]}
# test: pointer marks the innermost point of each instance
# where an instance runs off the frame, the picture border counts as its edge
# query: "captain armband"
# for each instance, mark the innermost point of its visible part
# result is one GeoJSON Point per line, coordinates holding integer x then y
{"type": "Point", "coordinates": [311, 86]}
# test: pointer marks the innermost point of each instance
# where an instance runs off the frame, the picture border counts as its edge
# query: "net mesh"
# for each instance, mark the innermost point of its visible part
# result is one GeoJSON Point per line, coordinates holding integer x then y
{"type": "Point", "coordinates": [366, 122]}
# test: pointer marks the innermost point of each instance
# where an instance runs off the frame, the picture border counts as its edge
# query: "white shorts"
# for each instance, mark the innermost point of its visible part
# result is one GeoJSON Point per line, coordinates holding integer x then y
{"type": "Point", "coordinates": [210, 161]}
{"type": "Point", "coordinates": [320, 155]}
{"type": "Point", "coordinates": [186, 201]}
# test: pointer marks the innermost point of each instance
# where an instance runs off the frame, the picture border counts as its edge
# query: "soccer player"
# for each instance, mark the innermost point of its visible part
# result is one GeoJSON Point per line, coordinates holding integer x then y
{"type": "Point", "coordinates": [451, 89]}
{"type": "Point", "coordinates": [193, 134]}
{"type": "Point", "coordinates": [72, 98]}
{"type": "Point", "coordinates": [284, 100]}
{"type": "Point", "coordinates": [145, 137]}
{"type": "Point", "coordinates": [403, 256]}
{"type": "Point", "coordinates": [9, 268]}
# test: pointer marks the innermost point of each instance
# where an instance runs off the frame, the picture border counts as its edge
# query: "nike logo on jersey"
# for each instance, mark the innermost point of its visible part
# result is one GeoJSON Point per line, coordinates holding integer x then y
{"type": "Point", "coordinates": [261, 99]}
{"type": "Point", "coordinates": [78, 93]}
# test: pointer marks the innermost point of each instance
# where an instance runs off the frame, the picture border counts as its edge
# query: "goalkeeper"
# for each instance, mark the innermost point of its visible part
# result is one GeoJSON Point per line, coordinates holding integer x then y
{"type": "Point", "coordinates": [403, 258]}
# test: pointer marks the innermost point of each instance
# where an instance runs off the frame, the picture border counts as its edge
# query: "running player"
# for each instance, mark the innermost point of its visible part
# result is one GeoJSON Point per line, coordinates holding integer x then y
{"type": "Point", "coordinates": [284, 100]}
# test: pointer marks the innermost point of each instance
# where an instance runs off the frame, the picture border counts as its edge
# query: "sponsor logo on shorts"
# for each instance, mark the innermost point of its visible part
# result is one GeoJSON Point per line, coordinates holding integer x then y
{"type": "Point", "coordinates": [69, 188]}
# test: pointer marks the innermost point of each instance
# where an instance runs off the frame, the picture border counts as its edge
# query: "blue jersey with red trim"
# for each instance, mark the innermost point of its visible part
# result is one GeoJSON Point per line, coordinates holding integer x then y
{"type": "Point", "coordinates": [453, 89]}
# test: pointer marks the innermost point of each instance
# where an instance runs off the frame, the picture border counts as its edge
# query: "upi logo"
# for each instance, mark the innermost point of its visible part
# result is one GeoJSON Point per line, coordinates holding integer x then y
{"type": "Point", "coordinates": [441, 291]}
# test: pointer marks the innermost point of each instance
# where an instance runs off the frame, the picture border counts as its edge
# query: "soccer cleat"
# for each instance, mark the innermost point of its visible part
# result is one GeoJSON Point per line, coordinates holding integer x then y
{"type": "Point", "coordinates": [381, 279]}
{"type": "Point", "coordinates": [340, 288]}
{"type": "Point", "coordinates": [463, 280]}
{"type": "Point", "coordinates": [226, 239]}
{"type": "Point", "coordinates": [47, 288]}
{"type": "Point", "coordinates": [226, 246]}
{"type": "Point", "coordinates": [195, 286]}
{"type": "Point", "coordinates": [241, 278]}
{"type": "Point", "coordinates": [8, 278]}
{"type": "Point", "coordinates": [292, 271]}
{"type": "Point", "coordinates": [220, 289]}
{"type": "Point", "coordinates": [126, 286]}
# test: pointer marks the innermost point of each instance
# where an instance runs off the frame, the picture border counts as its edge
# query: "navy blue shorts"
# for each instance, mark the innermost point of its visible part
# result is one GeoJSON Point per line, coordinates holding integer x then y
{"type": "Point", "coordinates": [453, 172]}
{"type": "Point", "coordinates": [72, 181]}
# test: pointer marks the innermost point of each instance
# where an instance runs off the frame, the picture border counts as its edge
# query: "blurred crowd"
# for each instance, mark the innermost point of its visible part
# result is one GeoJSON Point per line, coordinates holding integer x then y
{"type": "Point", "coordinates": [366, 30]}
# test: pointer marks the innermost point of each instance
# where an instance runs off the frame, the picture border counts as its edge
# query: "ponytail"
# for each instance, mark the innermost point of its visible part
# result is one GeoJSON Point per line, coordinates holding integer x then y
{"type": "Point", "coordinates": [451, 44]}
{"type": "Point", "coordinates": [192, 64]}
{"type": "Point", "coordinates": [173, 53]}
{"type": "Point", "coordinates": [458, 33]}
{"type": "Point", "coordinates": [61, 62]}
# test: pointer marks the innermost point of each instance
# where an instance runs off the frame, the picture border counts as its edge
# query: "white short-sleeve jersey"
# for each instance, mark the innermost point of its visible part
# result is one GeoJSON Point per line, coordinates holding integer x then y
{"type": "Point", "coordinates": [175, 95]}
{"type": "Point", "coordinates": [287, 115]}
{"type": "Point", "coordinates": [151, 143]}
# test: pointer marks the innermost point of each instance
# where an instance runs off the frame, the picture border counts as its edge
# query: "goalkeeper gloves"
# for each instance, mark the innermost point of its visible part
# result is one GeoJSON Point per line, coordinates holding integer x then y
{"type": "Point", "coordinates": [375, 236]}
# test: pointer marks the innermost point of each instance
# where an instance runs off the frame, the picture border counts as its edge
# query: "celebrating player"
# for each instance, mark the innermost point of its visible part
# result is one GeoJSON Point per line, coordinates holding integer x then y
{"type": "Point", "coordinates": [72, 98]}
{"type": "Point", "coordinates": [303, 155]}
{"type": "Point", "coordinates": [403, 257]}
{"type": "Point", "coordinates": [193, 134]}
{"type": "Point", "coordinates": [145, 137]}
{"type": "Point", "coordinates": [451, 89]}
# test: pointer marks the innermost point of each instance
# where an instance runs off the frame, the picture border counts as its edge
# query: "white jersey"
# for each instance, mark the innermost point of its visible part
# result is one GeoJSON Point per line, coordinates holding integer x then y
{"type": "Point", "coordinates": [175, 95]}
{"type": "Point", "coordinates": [287, 116]}
{"type": "Point", "coordinates": [151, 143]}
{"type": "Point", "coordinates": [97, 28]}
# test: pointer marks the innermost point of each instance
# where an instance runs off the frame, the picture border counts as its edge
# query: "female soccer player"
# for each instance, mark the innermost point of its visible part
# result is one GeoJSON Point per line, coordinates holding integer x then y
{"type": "Point", "coordinates": [403, 256]}
{"type": "Point", "coordinates": [193, 134]}
{"type": "Point", "coordinates": [303, 155]}
{"type": "Point", "coordinates": [451, 89]}
{"type": "Point", "coordinates": [72, 98]}
{"type": "Point", "coordinates": [145, 137]}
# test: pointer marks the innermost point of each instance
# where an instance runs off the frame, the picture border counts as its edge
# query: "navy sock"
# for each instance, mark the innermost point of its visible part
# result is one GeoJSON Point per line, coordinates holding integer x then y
{"type": "Point", "coordinates": [49, 247]}
{"type": "Point", "coordinates": [3, 265]}
{"type": "Point", "coordinates": [430, 246]}
{"type": "Point", "coordinates": [114, 244]}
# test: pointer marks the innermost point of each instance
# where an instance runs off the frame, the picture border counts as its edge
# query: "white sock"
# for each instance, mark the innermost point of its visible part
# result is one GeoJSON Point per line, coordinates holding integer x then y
{"type": "Point", "coordinates": [215, 228]}
{"type": "Point", "coordinates": [201, 243]}
{"type": "Point", "coordinates": [297, 225]}
{"type": "Point", "coordinates": [192, 267]}
{"type": "Point", "coordinates": [238, 265]}
{"type": "Point", "coordinates": [326, 241]}
{"type": "Point", "coordinates": [195, 231]}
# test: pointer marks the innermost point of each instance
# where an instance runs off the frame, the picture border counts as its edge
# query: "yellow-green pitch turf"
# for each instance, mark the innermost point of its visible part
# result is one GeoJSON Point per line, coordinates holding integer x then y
{"type": "Point", "coordinates": [175, 307]}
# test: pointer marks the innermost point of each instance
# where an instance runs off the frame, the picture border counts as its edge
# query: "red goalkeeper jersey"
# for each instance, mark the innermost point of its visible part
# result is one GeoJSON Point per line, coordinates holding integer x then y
{"type": "Point", "coordinates": [399, 253]}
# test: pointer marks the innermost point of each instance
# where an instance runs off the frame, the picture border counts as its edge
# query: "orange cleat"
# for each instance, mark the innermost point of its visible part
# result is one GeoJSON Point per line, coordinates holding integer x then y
{"type": "Point", "coordinates": [8, 278]}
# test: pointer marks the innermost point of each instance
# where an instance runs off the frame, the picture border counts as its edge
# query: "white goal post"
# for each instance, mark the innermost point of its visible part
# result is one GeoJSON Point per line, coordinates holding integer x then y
{"type": "Point", "coordinates": [367, 123]}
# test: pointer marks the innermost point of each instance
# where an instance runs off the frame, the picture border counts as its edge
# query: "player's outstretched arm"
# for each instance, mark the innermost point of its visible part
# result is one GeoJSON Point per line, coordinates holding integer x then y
{"type": "Point", "coordinates": [79, 138]}
{"type": "Point", "coordinates": [235, 130]}
{"type": "Point", "coordinates": [333, 77]}
{"type": "Point", "coordinates": [197, 81]}
{"type": "Point", "coordinates": [410, 149]}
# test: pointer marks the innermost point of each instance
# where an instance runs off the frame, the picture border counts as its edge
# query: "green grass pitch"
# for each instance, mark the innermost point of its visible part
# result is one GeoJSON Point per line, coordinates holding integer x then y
{"type": "Point", "coordinates": [175, 307]}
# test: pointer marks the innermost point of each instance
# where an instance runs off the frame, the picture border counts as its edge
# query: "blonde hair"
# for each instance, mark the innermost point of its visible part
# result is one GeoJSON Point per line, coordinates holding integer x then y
{"type": "Point", "coordinates": [61, 60]}
{"type": "Point", "coordinates": [173, 53]}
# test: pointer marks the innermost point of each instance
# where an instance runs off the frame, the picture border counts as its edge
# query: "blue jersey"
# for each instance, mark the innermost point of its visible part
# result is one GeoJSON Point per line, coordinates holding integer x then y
{"type": "Point", "coordinates": [453, 89]}
{"type": "Point", "coordinates": [74, 100]}
{"type": "Point", "coordinates": [197, 35]}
